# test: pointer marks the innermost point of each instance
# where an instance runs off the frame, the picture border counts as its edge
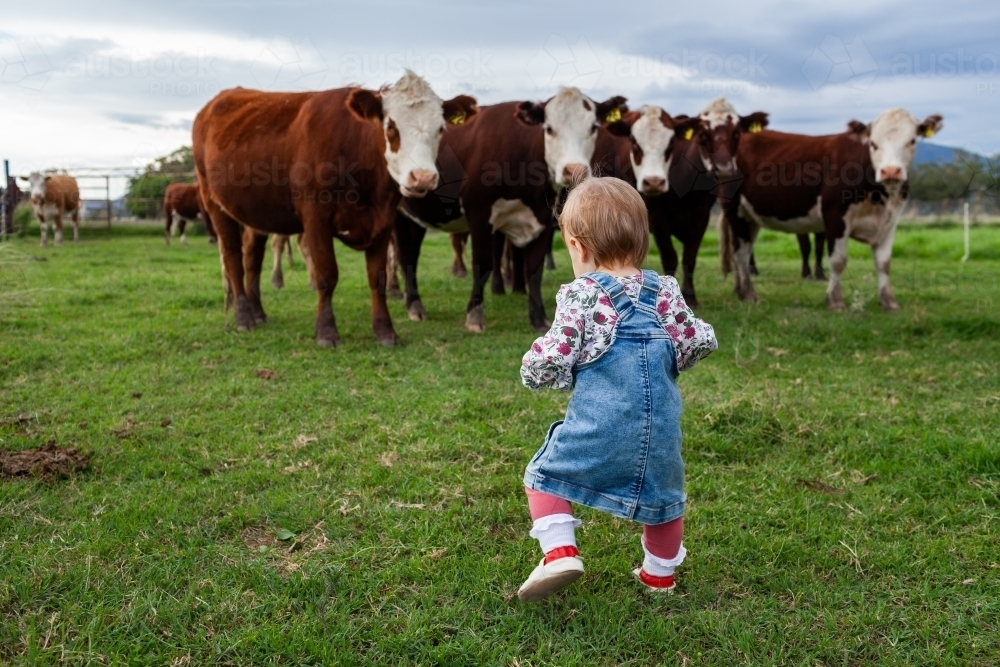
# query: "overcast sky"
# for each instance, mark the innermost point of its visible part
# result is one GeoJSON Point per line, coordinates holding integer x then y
{"type": "Point", "coordinates": [119, 83]}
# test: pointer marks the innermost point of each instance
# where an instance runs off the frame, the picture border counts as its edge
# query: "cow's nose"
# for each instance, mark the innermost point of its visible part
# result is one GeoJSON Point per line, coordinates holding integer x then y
{"type": "Point", "coordinates": [654, 185]}
{"type": "Point", "coordinates": [573, 173]}
{"type": "Point", "coordinates": [891, 174]}
{"type": "Point", "coordinates": [422, 180]}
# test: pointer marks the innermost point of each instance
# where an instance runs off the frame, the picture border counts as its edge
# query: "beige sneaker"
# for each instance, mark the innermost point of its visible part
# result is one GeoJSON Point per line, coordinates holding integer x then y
{"type": "Point", "coordinates": [548, 578]}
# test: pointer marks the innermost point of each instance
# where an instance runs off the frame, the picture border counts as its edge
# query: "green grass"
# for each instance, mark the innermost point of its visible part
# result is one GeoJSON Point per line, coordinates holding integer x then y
{"type": "Point", "coordinates": [843, 472]}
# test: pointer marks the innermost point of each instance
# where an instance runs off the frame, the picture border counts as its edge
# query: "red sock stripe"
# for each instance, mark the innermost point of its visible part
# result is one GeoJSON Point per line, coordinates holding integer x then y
{"type": "Point", "coordinates": [656, 582]}
{"type": "Point", "coordinates": [561, 552]}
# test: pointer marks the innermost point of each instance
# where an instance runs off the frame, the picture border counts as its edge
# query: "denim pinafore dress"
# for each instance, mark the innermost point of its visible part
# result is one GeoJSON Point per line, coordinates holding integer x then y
{"type": "Point", "coordinates": [619, 448]}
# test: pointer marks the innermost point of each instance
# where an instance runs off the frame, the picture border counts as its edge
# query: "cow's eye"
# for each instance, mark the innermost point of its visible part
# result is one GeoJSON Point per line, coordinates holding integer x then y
{"type": "Point", "coordinates": [874, 146]}
{"type": "Point", "coordinates": [593, 128]}
{"type": "Point", "coordinates": [913, 141]}
{"type": "Point", "coordinates": [441, 130]}
{"type": "Point", "coordinates": [549, 131]}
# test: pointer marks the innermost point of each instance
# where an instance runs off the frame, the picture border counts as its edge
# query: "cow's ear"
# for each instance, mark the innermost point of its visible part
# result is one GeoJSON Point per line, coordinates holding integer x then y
{"type": "Point", "coordinates": [611, 109]}
{"type": "Point", "coordinates": [365, 104]}
{"type": "Point", "coordinates": [530, 113]}
{"type": "Point", "coordinates": [931, 126]}
{"type": "Point", "coordinates": [459, 109]}
{"type": "Point", "coordinates": [623, 126]}
{"type": "Point", "coordinates": [858, 130]}
{"type": "Point", "coordinates": [685, 128]}
{"type": "Point", "coordinates": [754, 122]}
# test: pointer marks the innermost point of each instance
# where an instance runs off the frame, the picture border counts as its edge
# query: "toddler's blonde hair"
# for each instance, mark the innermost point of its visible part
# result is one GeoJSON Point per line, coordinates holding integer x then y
{"type": "Point", "coordinates": [608, 217]}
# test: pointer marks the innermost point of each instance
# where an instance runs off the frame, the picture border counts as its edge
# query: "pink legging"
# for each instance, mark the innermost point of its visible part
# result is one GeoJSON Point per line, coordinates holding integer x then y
{"type": "Point", "coordinates": [663, 540]}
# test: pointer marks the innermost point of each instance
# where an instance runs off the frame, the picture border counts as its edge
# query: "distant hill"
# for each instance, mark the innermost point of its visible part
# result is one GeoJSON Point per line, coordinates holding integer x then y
{"type": "Point", "coordinates": [927, 152]}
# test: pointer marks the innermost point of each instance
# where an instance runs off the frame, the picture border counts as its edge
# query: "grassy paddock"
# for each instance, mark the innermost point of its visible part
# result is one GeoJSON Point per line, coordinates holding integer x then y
{"type": "Point", "coordinates": [363, 505]}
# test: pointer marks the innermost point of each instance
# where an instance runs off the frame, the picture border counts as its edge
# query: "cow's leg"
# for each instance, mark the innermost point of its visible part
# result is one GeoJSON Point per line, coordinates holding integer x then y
{"type": "Point", "coordinates": [181, 227]}
{"type": "Point", "coordinates": [278, 242]}
{"type": "Point", "coordinates": [458, 241]}
{"type": "Point", "coordinates": [534, 265]}
{"type": "Point", "coordinates": [820, 239]}
{"type": "Point", "coordinates": [690, 261]}
{"type": "Point", "coordinates": [481, 234]}
{"type": "Point", "coordinates": [838, 262]}
{"type": "Point", "coordinates": [665, 244]}
{"type": "Point", "coordinates": [44, 227]}
{"type": "Point", "coordinates": [75, 217]}
{"type": "Point", "coordinates": [254, 250]}
{"type": "Point", "coordinates": [375, 257]}
{"type": "Point", "coordinates": [500, 255]}
{"type": "Point", "coordinates": [58, 222]}
{"type": "Point", "coordinates": [410, 238]}
{"type": "Point", "coordinates": [212, 237]}
{"type": "Point", "coordinates": [805, 249]}
{"type": "Point", "coordinates": [392, 268]}
{"type": "Point", "coordinates": [742, 240]}
{"type": "Point", "coordinates": [231, 251]}
{"type": "Point", "coordinates": [518, 269]}
{"type": "Point", "coordinates": [318, 241]}
{"type": "Point", "coordinates": [882, 253]}
{"type": "Point", "coordinates": [307, 258]}
{"type": "Point", "coordinates": [168, 222]}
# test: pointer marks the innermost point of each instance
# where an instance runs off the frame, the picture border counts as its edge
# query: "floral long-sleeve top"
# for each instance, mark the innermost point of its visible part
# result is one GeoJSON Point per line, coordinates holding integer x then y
{"type": "Point", "coordinates": [584, 327]}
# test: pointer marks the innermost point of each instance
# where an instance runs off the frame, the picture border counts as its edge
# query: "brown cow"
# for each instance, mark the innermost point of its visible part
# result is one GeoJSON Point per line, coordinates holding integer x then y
{"type": "Point", "coordinates": [53, 195]}
{"type": "Point", "coordinates": [501, 174]}
{"type": "Point", "coordinates": [184, 200]}
{"type": "Point", "coordinates": [848, 185]}
{"type": "Point", "coordinates": [328, 163]}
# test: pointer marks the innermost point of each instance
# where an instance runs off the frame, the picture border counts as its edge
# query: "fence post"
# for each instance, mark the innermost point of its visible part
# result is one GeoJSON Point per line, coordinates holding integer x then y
{"type": "Point", "coordinates": [6, 206]}
{"type": "Point", "coordinates": [107, 198]}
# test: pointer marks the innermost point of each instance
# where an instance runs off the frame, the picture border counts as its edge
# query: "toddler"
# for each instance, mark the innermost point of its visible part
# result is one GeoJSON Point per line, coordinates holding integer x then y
{"type": "Point", "coordinates": [619, 339]}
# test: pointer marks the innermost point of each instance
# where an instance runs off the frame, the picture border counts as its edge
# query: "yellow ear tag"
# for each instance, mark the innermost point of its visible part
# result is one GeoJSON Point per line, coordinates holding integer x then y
{"type": "Point", "coordinates": [755, 128]}
{"type": "Point", "coordinates": [457, 119]}
{"type": "Point", "coordinates": [929, 132]}
{"type": "Point", "coordinates": [688, 133]}
{"type": "Point", "coordinates": [613, 116]}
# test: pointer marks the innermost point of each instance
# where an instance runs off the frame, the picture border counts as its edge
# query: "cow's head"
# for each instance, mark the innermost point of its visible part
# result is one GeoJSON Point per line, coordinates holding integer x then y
{"type": "Point", "coordinates": [726, 126]}
{"type": "Point", "coordinates": [413, 119]}
{"type": "Point", "coordinates": [653, 135]}
{"type": "Point", "coordinates": [570, 120]}
{"type": "Point", "coordinates": [37, 182]}
{"type": "Point", "coordinates": [892, 143]}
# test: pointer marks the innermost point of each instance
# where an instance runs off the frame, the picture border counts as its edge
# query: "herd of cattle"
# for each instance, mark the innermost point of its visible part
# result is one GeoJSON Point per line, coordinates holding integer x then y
{"type": "Point", "coordinates": [376, 169]}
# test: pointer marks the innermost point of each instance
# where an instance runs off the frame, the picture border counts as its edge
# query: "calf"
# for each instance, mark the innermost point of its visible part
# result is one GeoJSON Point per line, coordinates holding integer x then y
{"type": "Point", "coordinates": [680, 165]}
{"type": "Point", "coordinates": [320, 164]}
{"type": "Point", "coordinates": [53, 195]}
{"type": "Point", "coordinates": [501, 175]}
{"type": "Point", "coordinates": [184, 200]}
{"type": "Point", "coordinates": [848, 185]}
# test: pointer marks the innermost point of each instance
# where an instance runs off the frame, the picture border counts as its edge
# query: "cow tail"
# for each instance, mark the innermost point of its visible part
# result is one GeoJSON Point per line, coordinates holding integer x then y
{"type": "Point", "coordinates": [725, 245]}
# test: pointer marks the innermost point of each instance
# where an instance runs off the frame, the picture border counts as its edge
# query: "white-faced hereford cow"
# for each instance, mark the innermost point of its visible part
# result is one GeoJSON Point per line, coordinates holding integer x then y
{"type": "Point", "coordinates": [500, 178]}
{"type": "Point", "coordinates": [323, 164]}
{"type": "Point", "coordinates": [680, 165]}
{"type": "Point", "coordinates": [52, 196]}
{"type": "Point", "coordinates": [848, 185]}
{"type": "Point", "coordinates": [184, 200]}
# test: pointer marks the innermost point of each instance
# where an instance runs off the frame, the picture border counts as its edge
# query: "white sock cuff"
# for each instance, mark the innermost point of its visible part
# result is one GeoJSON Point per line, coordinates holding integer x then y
{"type": "Point", "coordinates": [554, 531]}
{"type": "Point", "coordinates": [662, 567]}
{"type": "Point", "coordinates": [544, 523]}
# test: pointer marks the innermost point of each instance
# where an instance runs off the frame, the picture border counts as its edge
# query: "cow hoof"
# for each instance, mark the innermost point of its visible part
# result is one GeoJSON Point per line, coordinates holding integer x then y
{"type": "Point", "coordinates": [328, 340]}
{"type": "Point", "coordinates": [837, 306]}
{"type": "Point", "coordinates": [541, 327]}
{"type": "Point", "coordinates": [820, 274]}
{"type": "Point", "coordinates": [518, 290]}
{"type": "Point", "coordinates": [416, 312]}
{"type": "Point", "coordinates": [890, 307]}
{"type": "Point", "coordinates": [277, 281]}
{"type": "Point", "coordinates": [388, 340]}
{"type": "Point", "coordinates": [475, 320]}
{"type": "Point", "coordinates": [498, 289]}
{"type": "Point", "coordinates": [459, 272]}
{"type": "Point", "coordinates": [749, 297]}
{"type": "Point", "coordinates": [395, 293]}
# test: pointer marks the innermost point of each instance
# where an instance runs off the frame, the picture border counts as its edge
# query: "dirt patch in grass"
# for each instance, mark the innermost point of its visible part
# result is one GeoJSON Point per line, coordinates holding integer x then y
{"type": "Point", "coordinates": [48, 462]}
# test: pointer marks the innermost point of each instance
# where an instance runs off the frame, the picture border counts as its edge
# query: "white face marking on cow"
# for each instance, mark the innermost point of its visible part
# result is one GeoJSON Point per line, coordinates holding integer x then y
{"type": "Point", "coordinates": [892, 143]}
{"type": "Point", "coordinates": [653, 139]}
{"type": "Point", "coordinates": [722, 121]}
{"type": "Point", "coordinates": [412, 112]}
{"type": "Point", "coordinates": [37, 183]}
{"type": "Point", "coordinates": [570, 134]}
